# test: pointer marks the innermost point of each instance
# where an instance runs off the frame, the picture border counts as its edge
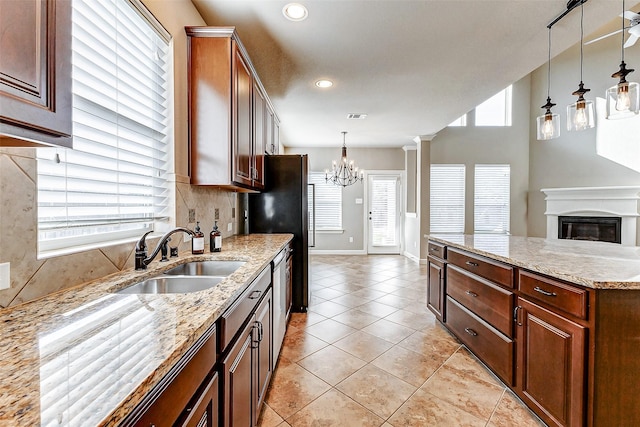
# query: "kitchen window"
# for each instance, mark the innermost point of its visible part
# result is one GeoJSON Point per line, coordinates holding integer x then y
{"type": "Point", "coordinates": [491, 199]}
{"type": "Point", "coordinates": [447, 199]}
{"type": "Point", "coordinates": [115, 183]}
{"type": "Point", "coordinates": [328, 204]}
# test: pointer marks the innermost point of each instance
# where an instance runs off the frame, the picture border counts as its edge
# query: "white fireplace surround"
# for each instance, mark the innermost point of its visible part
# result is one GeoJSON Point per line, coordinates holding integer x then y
{"type": "Point", "coordinates": [621, 202]}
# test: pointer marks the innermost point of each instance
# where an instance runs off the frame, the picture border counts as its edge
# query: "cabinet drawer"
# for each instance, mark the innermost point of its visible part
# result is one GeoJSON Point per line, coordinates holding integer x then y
{"type": "Point", "coordinates": [234, 317]}
{"type": "Point", "coordinates": [490, 302]}
{"type": "Point", "coordinates": [492, 270]}
{"type": "Point", "coordinates": [437, 250]}
{"type": "Point", "coordinates": [563, 296]}
{"type": "Point", "coordinates": [484, 341]}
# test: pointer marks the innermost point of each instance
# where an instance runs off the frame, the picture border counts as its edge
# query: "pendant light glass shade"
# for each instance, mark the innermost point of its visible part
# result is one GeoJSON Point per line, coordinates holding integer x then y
{"type": "Point", "coordinates": [580, 114]}
{"type": "Point", "coordinates": [623, 99]}
{"type": "Point", "coordinates": [548, 124]}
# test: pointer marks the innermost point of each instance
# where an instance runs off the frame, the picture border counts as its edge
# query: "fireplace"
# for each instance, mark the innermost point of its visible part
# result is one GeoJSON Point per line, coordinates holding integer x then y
{"type": "Point", "coordinates": [590, 211]}
{"type": "Point", "coordinates": [594, 228]}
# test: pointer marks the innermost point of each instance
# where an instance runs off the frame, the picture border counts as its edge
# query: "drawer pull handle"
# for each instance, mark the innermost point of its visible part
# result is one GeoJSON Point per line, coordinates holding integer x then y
{"type": "Point", "coordinates": [471, 332]}
{"type": "Point", "coordinates": [472, 264]}
{"type": "Point", "coordinates": [543, 292]}
{"type": "Point", "coordinates": [471, 294]}
{"type": "Point", "coordinates": [434, 249]}
{"type": "Point", "coordinates": [255, 295]}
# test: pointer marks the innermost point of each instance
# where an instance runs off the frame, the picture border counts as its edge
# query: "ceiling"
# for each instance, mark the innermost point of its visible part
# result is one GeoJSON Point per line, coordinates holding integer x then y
{"type": "Point", "coordinates": [412, 65]}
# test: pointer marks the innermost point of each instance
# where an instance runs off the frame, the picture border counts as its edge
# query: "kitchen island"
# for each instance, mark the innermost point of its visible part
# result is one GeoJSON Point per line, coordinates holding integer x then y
{"type": "Point", "coordinates": [558, 321]}
{"type": "Point", "coordinates": [88, 356]}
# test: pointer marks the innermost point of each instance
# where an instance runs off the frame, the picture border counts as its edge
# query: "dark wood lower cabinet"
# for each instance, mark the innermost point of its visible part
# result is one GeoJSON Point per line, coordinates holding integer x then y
{"type": "Point", "coordinates": [551, 364]}
{"type": "Point", "coordinates": [435, 287]}
{"type": "Point", "coordinates": [203, 409]}
{"type": "Point", "coordinates": [246, 369]}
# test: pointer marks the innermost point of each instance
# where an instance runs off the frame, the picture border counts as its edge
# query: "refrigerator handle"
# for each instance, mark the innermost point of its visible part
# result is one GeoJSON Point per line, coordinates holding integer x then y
{"type": "Point", "coordinates": [313, 204]}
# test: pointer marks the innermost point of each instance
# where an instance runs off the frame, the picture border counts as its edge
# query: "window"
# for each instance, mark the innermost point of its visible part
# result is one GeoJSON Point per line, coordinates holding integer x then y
{"type": "Point", "coordinates": [114, 184]}
{"type": "Point", "coordinates": [447, 198]}
{"type": "Point", "coordinates": [491, 199]}
{"type": "Point", "coordinates": [460, 121]}
{"type": "Point", "coordinates": [495, 111]}
{"type": "Point", "coordinates": [328, 203]}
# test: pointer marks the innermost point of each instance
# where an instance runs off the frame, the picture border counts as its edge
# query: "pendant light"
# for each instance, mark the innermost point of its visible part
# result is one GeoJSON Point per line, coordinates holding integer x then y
{"type": "Point", "coordinates": [548, 124]}
{"type": "Point", "coordinates": [622, 99]}
{"type": "Point", "coordinates": [580, 114]}
{"type": "Point", "coordinates": [343, 172]}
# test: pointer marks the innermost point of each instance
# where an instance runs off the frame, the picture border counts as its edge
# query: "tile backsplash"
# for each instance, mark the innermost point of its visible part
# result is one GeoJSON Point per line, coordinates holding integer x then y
{"type": "Point", "coordinates": [32, 278]}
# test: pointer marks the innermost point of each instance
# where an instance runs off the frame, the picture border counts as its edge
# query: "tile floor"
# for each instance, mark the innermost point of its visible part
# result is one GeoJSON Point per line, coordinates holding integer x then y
{"type": "Point", "coordinates": [368, 353]}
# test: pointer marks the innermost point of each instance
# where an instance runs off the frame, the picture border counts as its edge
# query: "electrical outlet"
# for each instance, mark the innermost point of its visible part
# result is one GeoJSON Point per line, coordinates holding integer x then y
{"type": "Point", "coordinates": [350, 239]}
{"type": "Point", "coordinates": [5, 275]}
{"type": "Point", "coordinates": [230, 226]}
{"type": "Point", "coordinates": [192, 216]}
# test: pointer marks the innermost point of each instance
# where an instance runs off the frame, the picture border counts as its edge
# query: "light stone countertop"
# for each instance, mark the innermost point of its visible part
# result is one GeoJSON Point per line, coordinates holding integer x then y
{"type": "Point", "coordinates": [86, 356]}
{"type": "Point", "coordinates": [598, 265]}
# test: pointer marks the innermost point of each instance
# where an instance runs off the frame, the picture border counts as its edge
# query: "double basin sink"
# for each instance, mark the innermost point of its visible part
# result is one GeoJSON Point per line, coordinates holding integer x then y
{"type": "Point", "coordinates": [185, 278]}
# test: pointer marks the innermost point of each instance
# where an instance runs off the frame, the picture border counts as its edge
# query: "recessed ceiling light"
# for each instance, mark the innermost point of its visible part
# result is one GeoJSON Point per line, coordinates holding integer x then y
{"type": "Point", "coordinates": [324, 83]}
{"type": "Point", "coordinates": [295, 12]}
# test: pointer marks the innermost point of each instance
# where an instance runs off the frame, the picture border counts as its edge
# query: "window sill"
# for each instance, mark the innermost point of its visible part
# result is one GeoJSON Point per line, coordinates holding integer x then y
{"type": "Point", "coordinates": [329, 231]}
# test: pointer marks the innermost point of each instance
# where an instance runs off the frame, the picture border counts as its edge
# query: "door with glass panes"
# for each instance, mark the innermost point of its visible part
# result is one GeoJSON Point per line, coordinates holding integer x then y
{"type": "Point", "coordinates": [383, 213]}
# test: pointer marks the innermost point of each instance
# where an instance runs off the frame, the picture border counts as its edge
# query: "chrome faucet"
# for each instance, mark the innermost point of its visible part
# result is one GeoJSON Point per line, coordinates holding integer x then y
{"type": "Point", "coordinates": [142, 260]}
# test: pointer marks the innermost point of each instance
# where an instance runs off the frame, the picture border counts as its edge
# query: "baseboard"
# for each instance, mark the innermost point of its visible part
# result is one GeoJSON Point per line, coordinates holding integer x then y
{"type": "Point", "coordinates": [337, 252]}
{"type": "Point", "coordinates": [412, 257]}
{"type": "Point", "coordinates": [423, 262]}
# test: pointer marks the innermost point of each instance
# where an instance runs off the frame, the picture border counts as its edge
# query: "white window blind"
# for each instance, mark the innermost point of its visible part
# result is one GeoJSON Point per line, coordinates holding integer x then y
{"type": "Point", "coordinates": [491, 198]}
{"type": "Point", "coordinates": [447, 199]}
{"type": "Point", "coordinates": [114, 183]}
{"type": "Point", "coordinates": [328, 203]}
{"type": "Point", "coordinates": [384, 208]}
{"type": "Point", "coordinates": [495, 111]}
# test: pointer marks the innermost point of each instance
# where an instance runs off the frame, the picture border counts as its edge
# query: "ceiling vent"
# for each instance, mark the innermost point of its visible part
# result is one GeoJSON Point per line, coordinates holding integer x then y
{"type": "Point", "coordinates": [356, 116]}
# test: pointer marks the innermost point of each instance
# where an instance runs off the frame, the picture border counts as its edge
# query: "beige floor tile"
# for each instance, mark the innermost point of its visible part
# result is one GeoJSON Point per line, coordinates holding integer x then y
{"type": "Point", "coordinates": [436, 342]}
{"type": "Point", "coordinates": [293, 388]}
{"type": "Point", "coordinates": [512, 412]}
{"type": "Point", "coordinates": [334, 409]}
{"type": "Point", "coordinates": [412, 292]}
{"type": "Point", "coordinates": [302, 320]}
{"type": "Point", "coordinates": [328, 293]}
{"type": "Point", "coordinates": [356, 318]}
{"type": "Point", "coordinates": [376, 390]}
{"type": "Point", "coordinates": [328, 308]}
{"type": "Point", "coordinates": [467, 365]}
{"type": "Point", "coordinates": [269, 417]}
{"type": "Point", "coordinates": [424, 409]}
{"type": "Point", "coordinates": [364, 346]}
{"type": "Point", "coordinates": [348, 287]}
{"type": "Point", "coordinates": [476, 397]}
{"type": "Point", "coordinates": [409, 319]}
{"type": "Point", "coordinates": [368, 294]}
{"type": "Point", "coordinates": [388, 330]}
{"type": "Point", "coordinates": [349, 300]}
{"type": "Point", "coordinates": [377, 309]}
{"type": "Point", "coordinates": [330, 331]}
{"type": "Point", "coordinates": [394, 300]}
{"type": "Point", "coordinates": [407, 365]}
{"type": "Point", "coordinates": [299, 345]}
{"type": "Point", "coordinates": [385, 287]}
{"type": "Point", "coordinates": [419, 307]}
{"type": "Point", "coordinates": [331, 364]}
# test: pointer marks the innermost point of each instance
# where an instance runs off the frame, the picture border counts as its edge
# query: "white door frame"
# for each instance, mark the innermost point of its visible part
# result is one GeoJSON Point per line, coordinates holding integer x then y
{"type": "Point", "coordinates": [365, 218]}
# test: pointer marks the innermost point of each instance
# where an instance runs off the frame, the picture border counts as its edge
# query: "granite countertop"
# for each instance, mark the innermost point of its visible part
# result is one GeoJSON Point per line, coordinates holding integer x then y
{"type": "Point", "coordinates": [87, 356]}
{"type": "Point", "coordinates": [597, 265]}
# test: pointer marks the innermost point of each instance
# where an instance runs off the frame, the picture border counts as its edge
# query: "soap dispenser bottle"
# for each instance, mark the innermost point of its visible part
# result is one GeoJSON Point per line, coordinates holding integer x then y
{"type": "Point", "coordinates": [215, 239]}
{"type": "Point", "coordinates": [197, 241]}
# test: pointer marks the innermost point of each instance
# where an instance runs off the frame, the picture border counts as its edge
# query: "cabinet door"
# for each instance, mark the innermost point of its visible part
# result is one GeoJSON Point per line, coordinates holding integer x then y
{"type": "Point", "coordinates": [242, 128]}
{"type": "Point", "coordinates": [238, 372]}
{"type": "Point", "coordinates": [259, 136]}
{"type": "Point", "coordinates": [550, 364]}
{"type": "Point", "coordinates": [276, 136]}
{"type": "Point", "coordinates": [268, 129]}
{"type": "Point", "coordinates": [203, 410]}
{"type": "Point", "coordinates": [264, 349]}
{"type": "Point", "coordinates": [435, 288]}
{"type": "Point", "coordinates": [35, 70]}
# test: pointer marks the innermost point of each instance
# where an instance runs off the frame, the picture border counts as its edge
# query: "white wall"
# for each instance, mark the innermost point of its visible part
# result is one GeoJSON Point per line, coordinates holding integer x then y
{"type": "Point", "coordinates": [471, 145]}
{"type": "Point", "coordinates": [352, 213]}
{"type": "Point", "coordinates": [571, 160]}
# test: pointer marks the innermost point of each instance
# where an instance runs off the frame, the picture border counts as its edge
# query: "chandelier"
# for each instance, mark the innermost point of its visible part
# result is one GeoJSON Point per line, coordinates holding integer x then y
{"type": "Point", "coordinates": [343, 172]}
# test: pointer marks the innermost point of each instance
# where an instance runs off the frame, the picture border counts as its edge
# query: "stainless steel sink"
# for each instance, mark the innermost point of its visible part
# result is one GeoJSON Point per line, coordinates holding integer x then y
{"type": "Point", "coordinates": [206, 268]}
{"type": "Point", "coordinates": [172, 285]}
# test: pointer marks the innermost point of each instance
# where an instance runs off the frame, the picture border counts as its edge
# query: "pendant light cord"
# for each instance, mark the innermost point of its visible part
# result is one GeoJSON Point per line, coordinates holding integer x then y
{"type": "Point", "coordinates": [581, 35]}
{"type": "Point", "coordinates": [622, 44]}
{"type": "Point", "coordinates": [549, 67]}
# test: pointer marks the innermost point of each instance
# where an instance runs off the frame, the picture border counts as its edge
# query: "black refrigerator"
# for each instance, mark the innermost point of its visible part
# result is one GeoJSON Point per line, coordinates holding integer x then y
{"type": "Point", "coordinates": [283, 208]}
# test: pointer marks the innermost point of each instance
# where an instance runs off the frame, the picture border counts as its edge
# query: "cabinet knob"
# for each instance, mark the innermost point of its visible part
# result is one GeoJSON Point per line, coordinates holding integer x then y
{"type": "Point", "coordinates": [255, 295]}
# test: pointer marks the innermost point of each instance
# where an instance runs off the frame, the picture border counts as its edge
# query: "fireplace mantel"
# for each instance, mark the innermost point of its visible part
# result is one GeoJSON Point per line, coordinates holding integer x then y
{"type": "Point", "coordinates": [621, 202]}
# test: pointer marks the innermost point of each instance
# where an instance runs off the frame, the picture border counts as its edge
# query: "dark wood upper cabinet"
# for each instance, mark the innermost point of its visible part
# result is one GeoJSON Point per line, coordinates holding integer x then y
{"type": "Point", "coordinates": [230, 114]}
{"type": "Point", "coordinates": [35, 73]}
